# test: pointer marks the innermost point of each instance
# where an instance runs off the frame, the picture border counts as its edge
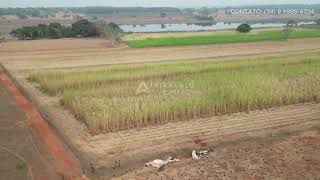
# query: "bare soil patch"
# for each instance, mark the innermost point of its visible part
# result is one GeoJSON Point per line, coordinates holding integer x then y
{"type": "Point", "coordinates": [22, 153]}
{"type": "Point", "coordinates": [93, 52]}
{"type": "Point", "coordinates": [61, 159]}
{"type": "Point", "coordinates": [277, 157]}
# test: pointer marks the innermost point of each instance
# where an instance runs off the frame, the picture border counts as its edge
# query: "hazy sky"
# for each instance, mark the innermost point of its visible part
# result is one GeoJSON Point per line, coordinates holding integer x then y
{"type": "Point", "coordinates": [146, 3]}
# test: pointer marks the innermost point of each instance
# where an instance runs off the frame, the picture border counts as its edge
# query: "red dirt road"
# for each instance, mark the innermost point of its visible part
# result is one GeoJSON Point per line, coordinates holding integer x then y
{"type": "Point", "coordinates": [64, 162]}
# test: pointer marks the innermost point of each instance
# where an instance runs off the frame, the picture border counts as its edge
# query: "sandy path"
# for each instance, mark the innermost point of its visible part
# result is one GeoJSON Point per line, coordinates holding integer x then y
{"type": "Point", "coordinates": [90, 52]}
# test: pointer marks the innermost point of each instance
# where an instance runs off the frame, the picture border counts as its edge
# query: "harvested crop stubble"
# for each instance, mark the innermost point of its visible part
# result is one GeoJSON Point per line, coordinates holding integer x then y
{"type": "Point", "coordinates": [121, 97]}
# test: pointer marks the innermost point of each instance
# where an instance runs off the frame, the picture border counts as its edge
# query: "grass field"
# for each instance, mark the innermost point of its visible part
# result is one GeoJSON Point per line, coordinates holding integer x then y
{"type": "Point", "coordinates": [120, 97]}
{"type": "Point", "coordinates": [218, 38]}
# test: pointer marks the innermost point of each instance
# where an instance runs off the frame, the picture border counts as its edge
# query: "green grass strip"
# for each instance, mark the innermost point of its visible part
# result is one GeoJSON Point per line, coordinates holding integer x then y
{"type": "Point", "coordinates": [217, 39]}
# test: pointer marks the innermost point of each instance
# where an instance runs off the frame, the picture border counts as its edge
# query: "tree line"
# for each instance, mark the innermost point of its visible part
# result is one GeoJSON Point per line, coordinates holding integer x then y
{"type": "Point", "coordinates": [81, 28]}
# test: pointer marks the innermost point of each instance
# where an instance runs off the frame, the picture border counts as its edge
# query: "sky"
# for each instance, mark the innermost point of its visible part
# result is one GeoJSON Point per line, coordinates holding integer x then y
{"type": "Point", "coordinates": [146, 3]}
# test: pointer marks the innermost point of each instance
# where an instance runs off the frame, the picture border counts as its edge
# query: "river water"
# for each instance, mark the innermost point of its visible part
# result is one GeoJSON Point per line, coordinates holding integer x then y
{"type": "Point", "coordinates": [196, 26]}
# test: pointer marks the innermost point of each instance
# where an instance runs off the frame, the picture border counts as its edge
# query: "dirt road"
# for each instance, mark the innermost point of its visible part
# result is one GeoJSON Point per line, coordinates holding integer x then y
{"type": "Point", "coordinates": [88, 52]}
{"type": "Point", "coordinates": [29, 147]}
{"type": "Point", "coordinates": [21, 157]}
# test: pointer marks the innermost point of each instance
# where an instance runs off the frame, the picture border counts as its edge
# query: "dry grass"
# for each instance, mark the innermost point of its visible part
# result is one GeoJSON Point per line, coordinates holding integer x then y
{"type": "Point", "coordinates": [111, 99]}
{"type": "Point", "coordinates": [22, 55]}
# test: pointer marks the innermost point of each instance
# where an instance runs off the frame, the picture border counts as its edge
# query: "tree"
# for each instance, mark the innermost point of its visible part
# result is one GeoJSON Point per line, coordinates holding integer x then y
{"type": "Point", "coordinates": [244, 28]}
{"type": "Point", "coordinates": [26, 32]}
{"type": "Point", "coordinates": [84, 28]}
{"type": "Point", "coordinates": [112, 32]}
{"type": "Point", "coordinates": [66, 32]}
{"type": "Point", "coordinates": [54, 30]}
{"type": "Point", "coordinates": [43, 30]}
{"type": "Point", "coordinates": [318, 21]}
{"type": "Point", "coordinates": [16, 33]}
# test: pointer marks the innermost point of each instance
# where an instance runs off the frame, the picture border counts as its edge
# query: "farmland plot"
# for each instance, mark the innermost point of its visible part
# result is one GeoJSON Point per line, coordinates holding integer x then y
{"type": "Point", "coordinates": [121, 97]}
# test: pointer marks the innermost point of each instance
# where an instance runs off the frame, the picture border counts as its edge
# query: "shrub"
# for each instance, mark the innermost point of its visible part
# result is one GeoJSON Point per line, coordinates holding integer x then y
{"type": "Point", "coordinates": [244, 28]}
{"type": "Point", "coordinates": [112, 31]}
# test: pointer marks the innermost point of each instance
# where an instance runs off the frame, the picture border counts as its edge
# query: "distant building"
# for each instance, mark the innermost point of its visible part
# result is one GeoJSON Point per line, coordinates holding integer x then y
{"type": "Point", "coordinates": [292, 23]}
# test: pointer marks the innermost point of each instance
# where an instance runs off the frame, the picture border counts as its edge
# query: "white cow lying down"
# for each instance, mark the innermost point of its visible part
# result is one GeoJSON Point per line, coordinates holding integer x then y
{"type": "Point", "coordinates": [158, 163]}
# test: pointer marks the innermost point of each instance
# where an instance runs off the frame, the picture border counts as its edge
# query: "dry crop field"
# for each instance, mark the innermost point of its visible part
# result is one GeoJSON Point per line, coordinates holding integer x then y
{"type": "Point", "coordinates": [122, 97]}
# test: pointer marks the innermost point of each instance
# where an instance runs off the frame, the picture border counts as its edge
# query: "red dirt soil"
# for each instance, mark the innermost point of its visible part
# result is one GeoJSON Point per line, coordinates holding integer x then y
{"type": "Point", "coordinates": [63, 160]}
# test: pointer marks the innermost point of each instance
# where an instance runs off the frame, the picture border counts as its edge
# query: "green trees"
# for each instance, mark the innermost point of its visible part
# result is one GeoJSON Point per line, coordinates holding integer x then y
{"type": "Point", "coordinates": [112, 32]}
{"type": "Point", "coordinates": [54, 30]}
{"type": "Point", "coordinates": [43, 30]}
{"type": "Point", "coordinates": [244, 28]}
{"type": "Point", "coordinates": [82, 28]}
{"type": "Point", "coordinates": [26, 33]}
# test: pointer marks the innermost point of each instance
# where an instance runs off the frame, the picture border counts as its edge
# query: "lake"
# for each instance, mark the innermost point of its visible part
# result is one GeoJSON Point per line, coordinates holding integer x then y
{"type": "Point", "coordinates": [196, 26]}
